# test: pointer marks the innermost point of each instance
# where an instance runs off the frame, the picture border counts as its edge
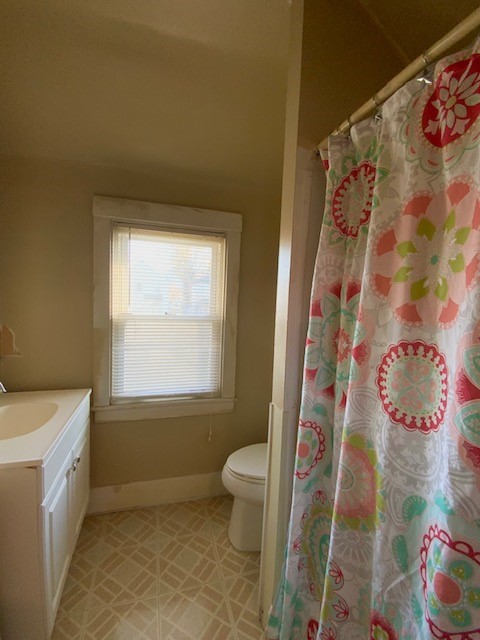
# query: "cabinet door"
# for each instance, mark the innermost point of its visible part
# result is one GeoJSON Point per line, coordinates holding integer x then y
{"type": "Point", "coordinates": [57, 536]}
{"type": "Point", "coordinates": [80, 484]}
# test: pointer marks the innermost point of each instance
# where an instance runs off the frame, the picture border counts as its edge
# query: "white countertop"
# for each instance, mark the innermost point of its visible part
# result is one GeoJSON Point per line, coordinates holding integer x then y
{"type": "Point", "coordinates": [31, 449]}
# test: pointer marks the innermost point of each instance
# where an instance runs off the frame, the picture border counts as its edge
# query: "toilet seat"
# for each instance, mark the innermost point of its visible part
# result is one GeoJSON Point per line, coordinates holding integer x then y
{"type": "Point", "coordinates": [242, 478]}
{"type": "Point", "coordinates": [249, 464]}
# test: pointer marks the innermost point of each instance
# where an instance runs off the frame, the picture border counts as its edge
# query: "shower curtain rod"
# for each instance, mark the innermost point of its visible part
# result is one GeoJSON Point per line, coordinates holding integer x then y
{"type": "Point", "coordinates": [432, 54]}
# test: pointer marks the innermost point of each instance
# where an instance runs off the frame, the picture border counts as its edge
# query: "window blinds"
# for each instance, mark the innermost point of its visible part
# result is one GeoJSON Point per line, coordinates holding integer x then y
{"type": "Point", "coordinates": [167, 313]}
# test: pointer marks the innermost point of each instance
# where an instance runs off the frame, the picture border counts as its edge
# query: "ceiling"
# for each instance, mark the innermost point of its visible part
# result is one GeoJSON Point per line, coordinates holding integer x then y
{"type": "Point", "coordinates": [194, 87]}
{"type": "Point", "coordinates": [414, 25]}
{"type": "Point", "coordinates": [190, 86]}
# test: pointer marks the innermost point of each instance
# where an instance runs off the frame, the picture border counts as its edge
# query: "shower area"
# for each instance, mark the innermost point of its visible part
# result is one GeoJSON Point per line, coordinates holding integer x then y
{"type": "Point", "coordinates": [376, 395]}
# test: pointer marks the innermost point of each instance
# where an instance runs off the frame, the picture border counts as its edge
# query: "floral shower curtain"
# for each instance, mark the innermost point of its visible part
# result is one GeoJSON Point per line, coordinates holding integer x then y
{"type": "Point", "coordinates": [384, 539]}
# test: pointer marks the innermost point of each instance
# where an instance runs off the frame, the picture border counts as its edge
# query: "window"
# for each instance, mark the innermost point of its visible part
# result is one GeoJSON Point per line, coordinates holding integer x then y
{"type": "Point", "coordinates": [165, 303]}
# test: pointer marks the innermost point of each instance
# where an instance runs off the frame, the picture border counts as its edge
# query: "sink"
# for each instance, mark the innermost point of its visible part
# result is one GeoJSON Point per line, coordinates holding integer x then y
{"type": "Point", "coordinates": [22, 418]}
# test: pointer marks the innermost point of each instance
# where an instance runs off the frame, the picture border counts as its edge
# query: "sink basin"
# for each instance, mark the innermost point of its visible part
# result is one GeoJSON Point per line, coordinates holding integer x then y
{"type": "Point", "coordinates": [22, 418]}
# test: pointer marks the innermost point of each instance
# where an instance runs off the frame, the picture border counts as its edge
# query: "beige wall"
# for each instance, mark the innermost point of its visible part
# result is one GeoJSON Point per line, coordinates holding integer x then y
{"type": "Point", "coordinates": [46, 297]}
{"type": "Point", "coordinates": [345, 60]}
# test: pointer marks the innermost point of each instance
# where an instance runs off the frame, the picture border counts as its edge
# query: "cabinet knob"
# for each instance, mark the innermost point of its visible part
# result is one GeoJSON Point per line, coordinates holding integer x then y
{"type": "Point", "coordinates": [75, 463]}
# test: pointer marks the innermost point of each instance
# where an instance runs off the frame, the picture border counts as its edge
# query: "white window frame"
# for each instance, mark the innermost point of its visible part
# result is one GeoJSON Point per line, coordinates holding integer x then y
{"type": "Point", "coordinates": [106, 212]}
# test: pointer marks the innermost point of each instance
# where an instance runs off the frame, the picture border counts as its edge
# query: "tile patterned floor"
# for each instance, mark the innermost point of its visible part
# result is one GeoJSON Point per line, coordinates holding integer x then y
{"type": "Point", "coordinates": [160, 573]}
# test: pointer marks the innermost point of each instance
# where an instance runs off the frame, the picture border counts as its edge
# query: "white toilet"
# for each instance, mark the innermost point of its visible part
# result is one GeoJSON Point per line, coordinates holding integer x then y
{"type": "Point", "coordinates": [244, 477]}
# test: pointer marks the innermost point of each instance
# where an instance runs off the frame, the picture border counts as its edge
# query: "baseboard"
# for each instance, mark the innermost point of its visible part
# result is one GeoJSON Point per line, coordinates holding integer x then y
{"type": "Point", "coordinates": [152, 492]}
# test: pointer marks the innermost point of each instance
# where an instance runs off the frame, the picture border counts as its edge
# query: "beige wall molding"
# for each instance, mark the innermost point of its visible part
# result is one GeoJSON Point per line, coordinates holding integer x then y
{"type": "Point", "coordinates": [152, 492]}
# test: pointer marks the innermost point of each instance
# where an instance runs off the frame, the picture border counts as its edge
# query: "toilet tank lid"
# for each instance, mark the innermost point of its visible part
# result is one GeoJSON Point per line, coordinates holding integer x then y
{"type": "Point", "coordinates": [250, 461]}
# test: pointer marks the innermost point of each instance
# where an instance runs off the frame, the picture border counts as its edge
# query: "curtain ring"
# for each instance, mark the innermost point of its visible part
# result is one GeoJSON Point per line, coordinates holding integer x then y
{"type": "Point", "coordinates": [346, 133]}
{"type": "Point", "coordinates": [425, 59]}
{"type": "Point", "coordinates": [378, 115]}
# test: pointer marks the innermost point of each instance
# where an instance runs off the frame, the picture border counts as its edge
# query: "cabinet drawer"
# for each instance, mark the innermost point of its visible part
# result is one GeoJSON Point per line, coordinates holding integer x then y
{"type": "Point", "coordinates": [56, 459]}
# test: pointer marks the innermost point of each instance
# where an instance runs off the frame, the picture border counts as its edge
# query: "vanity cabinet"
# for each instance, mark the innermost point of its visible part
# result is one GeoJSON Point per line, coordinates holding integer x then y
{"type": "Point", "coordinates": [42, 507]}
{"type": "Point", "coordinates": [62, 515]}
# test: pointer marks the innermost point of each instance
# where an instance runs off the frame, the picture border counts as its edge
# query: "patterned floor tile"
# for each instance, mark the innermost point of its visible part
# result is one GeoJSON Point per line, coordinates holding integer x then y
{"type": "Point", "coordinates": [219, 509]}
{"type": "Point", "coordinates": [187, 561]}
{"type": "Point", "coordinates": [88, 545]}
{"type": "Point", "coordinates": [195, 614]}
{"type": "Point", "coordinates": [93, 525]}
{"type": "Point", "coordinates": [124, 574]}
{"type": "Point", "coordinates": [182, 518]}
{"type": "Point", "coordinates": [242, 594]}
{"type": "Point", "coordinates": [133, 621]}
{"type": "Point", "coordinates": [68, 627]}
{"type": "Point", "coordinates": [131, 527]}
{"type": "Point", "coordinates": [233, 562]}
{"type": "Point", "coordinates": [167, 572]}
{"type": "Point", "coordinates": [76, 592]}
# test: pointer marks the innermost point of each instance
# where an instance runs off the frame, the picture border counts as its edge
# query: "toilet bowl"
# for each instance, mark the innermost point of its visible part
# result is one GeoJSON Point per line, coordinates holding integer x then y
{"type": "Point", "coordinates": [244, 477]}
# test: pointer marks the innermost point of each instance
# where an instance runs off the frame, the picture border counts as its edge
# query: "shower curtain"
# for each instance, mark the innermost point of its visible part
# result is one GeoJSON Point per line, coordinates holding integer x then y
{"type": "Point", "coordinates": [384, 536]}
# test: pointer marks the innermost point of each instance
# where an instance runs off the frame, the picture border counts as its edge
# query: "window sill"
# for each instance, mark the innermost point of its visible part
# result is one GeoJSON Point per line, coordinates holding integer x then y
{"type": "Point", "coordinates": [166, 409]}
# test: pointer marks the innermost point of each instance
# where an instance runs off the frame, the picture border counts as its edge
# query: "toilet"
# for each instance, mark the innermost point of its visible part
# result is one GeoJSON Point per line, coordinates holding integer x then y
{"type": "Point", "coordinates": [244, 476]}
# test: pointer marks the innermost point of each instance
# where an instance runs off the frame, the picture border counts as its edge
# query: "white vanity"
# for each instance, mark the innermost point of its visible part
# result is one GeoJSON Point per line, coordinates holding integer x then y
{"type": "Point", "coordinates": [44, 492]}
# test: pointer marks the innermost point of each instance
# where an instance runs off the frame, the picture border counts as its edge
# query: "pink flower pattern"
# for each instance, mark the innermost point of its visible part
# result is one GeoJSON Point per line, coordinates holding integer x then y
{"type": "Point", "coordinates": [328, 633]}
{"type": "Point", "coordinates": [412, 382]}
{"type": "Point", "coordinates": [352, 199]}
{"type": "Point", "coordinates": [312, 629]}
{"type": "Point", "coordinates": [466, 420]}
{"type": "Point", "coordinates": [442, 121]}
{"type": "Point", "coordinates": [455, 103]}
{"type": "Point", "coordinates": [450, 573]}
{"type": "Point", "coordinates": [380, 628]}
{"type": "Point", "coordinates": [425, 263]}
{"type": "Point", "coordinates": [310, 447]}
{"type": "Point", "coordinates": [337, 350]}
